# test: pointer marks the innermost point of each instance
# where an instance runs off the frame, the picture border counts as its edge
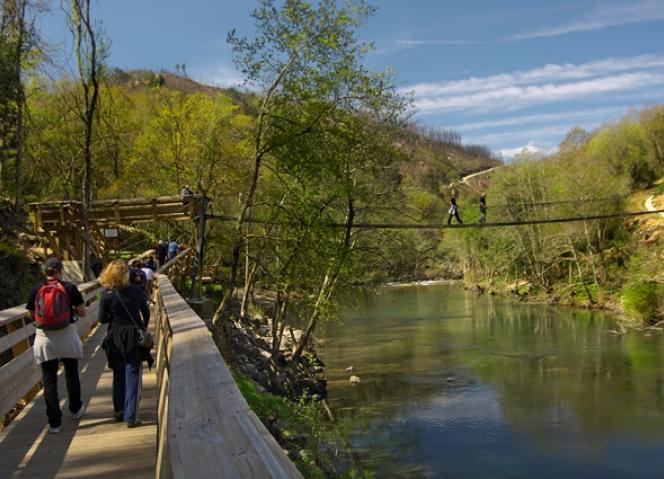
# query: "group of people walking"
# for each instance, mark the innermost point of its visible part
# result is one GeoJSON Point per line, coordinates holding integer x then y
{"type": "Point", "coordinates": [166, 250]}
{"type": "Point", "coordinates": [55, 304]}
{"type": "Point", "coordinates": [453, 211]}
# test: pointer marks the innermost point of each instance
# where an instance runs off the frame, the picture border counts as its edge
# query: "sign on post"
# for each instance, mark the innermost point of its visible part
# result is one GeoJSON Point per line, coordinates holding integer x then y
{"type": "Point", "coordinates": [111, 232]}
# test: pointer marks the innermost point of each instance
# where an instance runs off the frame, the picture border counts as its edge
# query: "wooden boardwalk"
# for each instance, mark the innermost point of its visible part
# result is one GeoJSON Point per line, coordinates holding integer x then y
{"type": "Point", "coordinates": [94, 446]}
{"type": "Point", "coordinates": [206, 428]}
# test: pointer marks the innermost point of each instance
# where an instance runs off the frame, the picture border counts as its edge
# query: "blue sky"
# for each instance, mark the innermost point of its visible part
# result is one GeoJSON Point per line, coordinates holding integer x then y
{"type": "Point", "coordinates": [503, 73]}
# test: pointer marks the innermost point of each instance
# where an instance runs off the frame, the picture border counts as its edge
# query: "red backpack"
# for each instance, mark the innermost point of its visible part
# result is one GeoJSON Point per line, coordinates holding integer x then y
{"type": "Point", "coordinates": [52, 306]}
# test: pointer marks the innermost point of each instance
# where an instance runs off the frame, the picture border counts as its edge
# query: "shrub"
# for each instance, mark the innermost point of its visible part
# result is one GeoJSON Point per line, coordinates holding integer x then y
{"type": "Point", "coordinates": [643, 301]}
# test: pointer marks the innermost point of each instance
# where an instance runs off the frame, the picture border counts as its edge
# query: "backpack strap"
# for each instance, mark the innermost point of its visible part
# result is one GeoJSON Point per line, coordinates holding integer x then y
{"type": "Point", "coordinates": [117, 294]}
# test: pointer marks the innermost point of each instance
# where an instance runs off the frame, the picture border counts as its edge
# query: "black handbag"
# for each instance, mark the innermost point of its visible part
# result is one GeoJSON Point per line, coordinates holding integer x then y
{"type": "Point", "coordinates": [146, 341]}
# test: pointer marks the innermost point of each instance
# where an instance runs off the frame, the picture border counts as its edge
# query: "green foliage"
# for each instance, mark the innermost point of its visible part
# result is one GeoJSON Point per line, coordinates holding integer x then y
{"type": "Point", "coordinates": [15, 286]}
{"type": "Point", "coordinates": [625, 148]}
{"type": "Point", "coordinates": [314, 460]}
{"type": "Point", "coordinates": [643, 301]}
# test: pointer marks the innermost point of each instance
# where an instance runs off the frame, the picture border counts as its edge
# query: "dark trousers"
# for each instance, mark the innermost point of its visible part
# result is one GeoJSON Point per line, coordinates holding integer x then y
{"type": "Point", "coordinates": [50, 379]}
{"type": "Point", "coordinates": [454, 215]}
{"type": "Point", "coordinates": [127, 389]}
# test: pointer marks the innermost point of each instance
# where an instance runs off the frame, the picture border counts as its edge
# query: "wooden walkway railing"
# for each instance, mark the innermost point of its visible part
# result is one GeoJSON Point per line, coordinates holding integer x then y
{"type": "Point", "coordinates": [205, 428]}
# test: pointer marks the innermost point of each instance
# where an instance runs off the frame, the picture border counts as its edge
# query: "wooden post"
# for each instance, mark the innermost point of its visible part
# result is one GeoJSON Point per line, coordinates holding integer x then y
{"type": "Point", "coordinates": [197, 266]}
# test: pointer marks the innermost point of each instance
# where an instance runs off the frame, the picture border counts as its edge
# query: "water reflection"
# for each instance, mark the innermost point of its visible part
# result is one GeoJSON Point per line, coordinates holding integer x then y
{"type": "Point", "coordinates": [458, 385]}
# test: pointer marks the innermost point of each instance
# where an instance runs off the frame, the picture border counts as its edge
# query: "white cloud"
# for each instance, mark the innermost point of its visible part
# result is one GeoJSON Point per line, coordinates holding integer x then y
{"type": "Point", "coordinates": [512, 97]}
{"type": "Point", "coordinates": [605, 15]}
{"type": "Point", "coordinates": [519, 136]}
{"type": "Point", "coordinates": [550, 73]}
{"type": "Point", "coordinates": [594, 115]}
{"type": "Point", "coordinates": [221, 76]}
{"type": "Point", "coordinates": [542, 85]}
{"type": "Point", "coordinates": [530, 147]}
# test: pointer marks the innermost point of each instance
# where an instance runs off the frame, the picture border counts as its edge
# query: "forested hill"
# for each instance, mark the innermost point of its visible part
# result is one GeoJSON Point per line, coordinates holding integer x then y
{"type": "Point", "coordinates": [431, 157]}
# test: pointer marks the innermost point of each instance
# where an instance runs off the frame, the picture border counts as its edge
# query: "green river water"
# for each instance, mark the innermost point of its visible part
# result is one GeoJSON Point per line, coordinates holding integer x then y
{"type": "Point", "coordinates": [456, 385]}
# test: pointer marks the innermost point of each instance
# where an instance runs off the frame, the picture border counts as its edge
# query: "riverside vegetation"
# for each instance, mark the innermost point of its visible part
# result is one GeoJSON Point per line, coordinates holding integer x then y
{"type": "Point", "coordinates": [318, 139]}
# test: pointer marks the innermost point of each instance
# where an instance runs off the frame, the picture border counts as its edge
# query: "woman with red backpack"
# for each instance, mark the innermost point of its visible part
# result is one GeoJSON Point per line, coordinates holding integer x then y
{"type": "Point", "coordinates": [54, 305]}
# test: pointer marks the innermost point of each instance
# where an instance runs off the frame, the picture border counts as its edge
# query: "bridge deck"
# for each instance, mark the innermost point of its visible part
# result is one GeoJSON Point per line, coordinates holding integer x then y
{"type": "Point", "coordinates": [96, 445]}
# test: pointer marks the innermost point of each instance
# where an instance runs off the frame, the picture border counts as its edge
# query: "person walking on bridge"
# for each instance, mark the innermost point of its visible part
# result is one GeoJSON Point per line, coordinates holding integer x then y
{"type": "Point", "coordinates": [123, 307]}
{"type": "Point", "coordinates": [453, 212]}
{"type": "Point", "coordinates": [483, 208]}
{"type": "Point", "coordinates": [54, 305]}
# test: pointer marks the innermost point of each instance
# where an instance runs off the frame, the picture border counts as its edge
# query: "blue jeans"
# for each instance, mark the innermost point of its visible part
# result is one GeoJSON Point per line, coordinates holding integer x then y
{"type": "Point", "coordinates": [127, 389]}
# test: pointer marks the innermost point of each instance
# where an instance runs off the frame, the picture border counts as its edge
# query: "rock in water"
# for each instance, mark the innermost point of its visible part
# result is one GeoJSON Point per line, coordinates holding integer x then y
{"type": "Point", "coordinates": [350, 368]}
{"type": "Point", "coordinates": [355, 379]}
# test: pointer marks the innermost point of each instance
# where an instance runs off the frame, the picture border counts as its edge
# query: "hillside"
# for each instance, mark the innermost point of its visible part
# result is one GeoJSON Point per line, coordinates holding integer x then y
{"type": "Point", "coordinates": [434, 158]}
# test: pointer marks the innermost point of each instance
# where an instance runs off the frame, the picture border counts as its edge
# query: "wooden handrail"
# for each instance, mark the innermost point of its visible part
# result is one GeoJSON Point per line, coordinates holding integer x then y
{"type": "Point", "coordinates": [205, 426]}
{"type": "Point", "coordinates": [21, 374]}
{"type": "Point", "coordinates": [206, 429]}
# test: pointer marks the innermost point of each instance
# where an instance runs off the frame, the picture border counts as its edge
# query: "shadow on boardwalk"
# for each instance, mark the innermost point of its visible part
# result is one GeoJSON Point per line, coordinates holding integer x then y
{"type": "Point", "coordinates": [94, 446]}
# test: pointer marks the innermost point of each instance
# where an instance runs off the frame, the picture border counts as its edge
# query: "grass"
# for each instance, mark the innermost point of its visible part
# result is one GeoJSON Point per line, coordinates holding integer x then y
{"type": "Point", "coordinates": [306, 419]}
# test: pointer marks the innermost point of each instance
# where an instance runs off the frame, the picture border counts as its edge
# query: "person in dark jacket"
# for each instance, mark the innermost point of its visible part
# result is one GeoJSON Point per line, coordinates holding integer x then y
{"type": "Point", "coordinates": [453, 212]}
{"type": "Point", "coordinates": [483, 208]}
{"type": "Point", "coordinates": [162, 252]}
{"type": "Point", "coordinates": [123, 307]}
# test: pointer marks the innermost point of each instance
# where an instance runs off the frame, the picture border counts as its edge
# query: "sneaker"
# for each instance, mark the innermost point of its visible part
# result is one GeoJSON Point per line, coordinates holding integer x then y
{"type": "Point", "coordinates": [54, 430]}
{"type": "Point", "coordinates": [136, 423]}
{"type": "Point", "coordinates": [119, 416]}
{"type": "Point", "coordinates": [78, 414]}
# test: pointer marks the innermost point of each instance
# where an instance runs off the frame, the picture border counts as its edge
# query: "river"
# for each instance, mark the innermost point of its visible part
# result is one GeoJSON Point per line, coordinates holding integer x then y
{"type": "Point", "coordinates": [456, 385]}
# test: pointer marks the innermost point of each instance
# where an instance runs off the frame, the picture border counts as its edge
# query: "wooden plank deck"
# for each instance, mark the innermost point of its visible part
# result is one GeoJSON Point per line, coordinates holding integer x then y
{"type": "Point", "coordinates": [96, 446]}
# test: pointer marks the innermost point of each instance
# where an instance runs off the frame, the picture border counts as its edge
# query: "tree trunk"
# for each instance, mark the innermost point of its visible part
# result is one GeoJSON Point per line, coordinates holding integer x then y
{"type": "Point", "coordinates": [329, 282]}
{"type": "Point", "coordinates": [261, 130]}
{"type": "Point", "coordinates": [88, 71]}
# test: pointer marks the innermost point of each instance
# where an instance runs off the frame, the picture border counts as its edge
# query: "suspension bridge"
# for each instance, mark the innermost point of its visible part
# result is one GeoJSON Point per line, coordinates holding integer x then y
{"type": "Point", "coordinates": [197, 424]}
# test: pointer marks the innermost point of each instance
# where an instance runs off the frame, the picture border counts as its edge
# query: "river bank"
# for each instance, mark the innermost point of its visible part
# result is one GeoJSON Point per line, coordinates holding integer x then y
{"type": "Point", "coordinates": [290, 399]}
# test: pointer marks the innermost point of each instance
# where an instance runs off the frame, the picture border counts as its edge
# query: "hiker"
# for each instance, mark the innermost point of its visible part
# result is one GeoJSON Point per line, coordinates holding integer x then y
{"type": "Point", "coordinates": [172, 249]}
{"type": "Point", "coordinates": [149, 278]}
{"type": "Point", "coordinates": [453, 212]}
{"type": "Point", "coordinates": [483, 208]}
{"type": "Point", "coordinates": [162, 252]}
{"type": "Point", "coordinates": [123, 307]}
{"type": "Point", "coordinates": [54, 305]}
{"type": "Point", "coordinates": [137, 275]}
{"type": "Point", "coordinates": [151, 263]}
{"type": "Point", "coordinates": [186, 194]}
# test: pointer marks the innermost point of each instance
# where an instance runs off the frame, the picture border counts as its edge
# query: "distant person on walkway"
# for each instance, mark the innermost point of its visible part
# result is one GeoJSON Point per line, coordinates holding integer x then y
{"type": "Point", "coordinates": [149, 278]}
{"type": "Point", "coordinates": [453, 212]}
{"type": "Point", "coordinates": [483, 208]}
{"type": "Point", "coordinates": [137, 276]}
{"type": "Point", "coordinates": [54, 305]}
{"type": "Point", "coordinates": [186, 194]}
{"type": "Point", "coordinates": [172, 249]}
{"type": "Point", "coordinates": [151, 263]}
{"type": "Point", "coordinates": [162, 252]}
{"type": "Point", "coordinates": [123, 307]}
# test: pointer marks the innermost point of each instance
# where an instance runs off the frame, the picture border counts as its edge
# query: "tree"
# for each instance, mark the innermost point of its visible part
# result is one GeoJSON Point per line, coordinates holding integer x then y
{"type": "Point", "coordinates": [18, 42]}
{"type": "Point", "coordinates": [575, 138]}
{"type": "Point", "coordinates": [90, 53]}
{"type": "Point", "coordinates": [305, 58]}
